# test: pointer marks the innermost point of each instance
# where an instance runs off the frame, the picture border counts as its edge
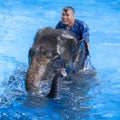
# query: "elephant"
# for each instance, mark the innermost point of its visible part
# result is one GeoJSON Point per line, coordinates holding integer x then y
{"type": "Point", "coordinates": [54, 55]}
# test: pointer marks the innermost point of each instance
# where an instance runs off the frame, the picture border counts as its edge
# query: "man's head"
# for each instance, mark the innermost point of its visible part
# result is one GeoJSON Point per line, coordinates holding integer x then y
{"type": "Point", "coordinates": [68, 14]}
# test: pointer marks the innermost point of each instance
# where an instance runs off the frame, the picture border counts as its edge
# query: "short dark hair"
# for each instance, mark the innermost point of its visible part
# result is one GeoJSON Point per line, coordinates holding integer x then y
{"type": "Point", "coordinates": [68, 8]}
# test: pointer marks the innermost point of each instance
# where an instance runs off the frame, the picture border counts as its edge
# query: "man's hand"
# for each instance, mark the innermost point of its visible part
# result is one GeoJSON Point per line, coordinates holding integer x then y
{"type": "Point", "coordinates": [88, 45]}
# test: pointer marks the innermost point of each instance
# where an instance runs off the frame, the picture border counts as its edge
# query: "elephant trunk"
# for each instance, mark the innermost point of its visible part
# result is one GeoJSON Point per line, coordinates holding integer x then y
{"type": "Point", "coordinates": [57, 84]}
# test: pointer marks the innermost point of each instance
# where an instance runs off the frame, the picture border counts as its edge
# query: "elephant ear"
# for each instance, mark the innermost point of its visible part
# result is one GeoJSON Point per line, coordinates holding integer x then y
{"type": "Point", "coordinates": [67, 44]}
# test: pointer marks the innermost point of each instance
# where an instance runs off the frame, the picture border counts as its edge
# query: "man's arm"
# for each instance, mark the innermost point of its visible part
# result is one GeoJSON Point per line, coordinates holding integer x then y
{"type": "Point", "coordinates": [85, 34]}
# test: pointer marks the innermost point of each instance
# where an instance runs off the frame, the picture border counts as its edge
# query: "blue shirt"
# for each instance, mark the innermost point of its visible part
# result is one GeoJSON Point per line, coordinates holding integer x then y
{"type": "Point", "coordinates": [80, 29]}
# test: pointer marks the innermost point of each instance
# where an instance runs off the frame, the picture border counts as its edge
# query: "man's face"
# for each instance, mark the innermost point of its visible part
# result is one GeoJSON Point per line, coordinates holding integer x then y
{"type": "Point", "coordinates": [68, 17]}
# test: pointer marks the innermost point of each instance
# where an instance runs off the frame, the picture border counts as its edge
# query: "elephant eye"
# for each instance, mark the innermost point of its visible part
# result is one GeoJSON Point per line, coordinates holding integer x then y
{"type": "Point", "coordinates": [55, 54]}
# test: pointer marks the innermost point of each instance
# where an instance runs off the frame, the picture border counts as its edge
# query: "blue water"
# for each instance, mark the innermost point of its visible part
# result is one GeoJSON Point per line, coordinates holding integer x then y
{"type": "Point", "coordinates": [88, 97]}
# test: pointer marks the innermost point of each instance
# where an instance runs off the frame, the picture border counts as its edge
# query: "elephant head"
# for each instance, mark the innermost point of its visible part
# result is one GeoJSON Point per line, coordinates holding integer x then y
{"type": "Point", "coordinates": [52, 51]}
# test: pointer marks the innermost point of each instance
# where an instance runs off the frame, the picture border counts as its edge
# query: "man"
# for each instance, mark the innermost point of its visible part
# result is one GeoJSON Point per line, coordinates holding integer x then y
{"type": "Point", "coordinates": [79, 28]}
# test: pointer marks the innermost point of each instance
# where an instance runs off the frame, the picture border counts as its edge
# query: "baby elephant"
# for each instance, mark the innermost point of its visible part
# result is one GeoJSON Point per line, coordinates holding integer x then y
{"type": "Point", "coordinates": [52, 54]}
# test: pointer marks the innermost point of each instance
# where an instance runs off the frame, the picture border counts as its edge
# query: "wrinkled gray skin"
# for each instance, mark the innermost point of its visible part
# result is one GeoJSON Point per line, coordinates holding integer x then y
{"type": "Point", "coordinates": [52, 51]}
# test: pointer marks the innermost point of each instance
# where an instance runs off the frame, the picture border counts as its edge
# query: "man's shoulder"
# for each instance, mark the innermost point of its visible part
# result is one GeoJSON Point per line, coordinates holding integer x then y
{"type": "Point", "coordinates": [81, 22]}
{"type": "Point", "coordinates": [60, 24]}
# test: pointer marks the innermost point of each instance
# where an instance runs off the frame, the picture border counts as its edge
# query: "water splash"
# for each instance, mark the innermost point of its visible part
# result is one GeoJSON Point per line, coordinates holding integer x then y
{"type": "Point", "coordinates": [88, 64]}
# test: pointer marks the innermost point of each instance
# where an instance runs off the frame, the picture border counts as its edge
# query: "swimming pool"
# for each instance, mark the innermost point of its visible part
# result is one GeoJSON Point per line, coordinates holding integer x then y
{"type": "Point", "coordinates": [89, 98]}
